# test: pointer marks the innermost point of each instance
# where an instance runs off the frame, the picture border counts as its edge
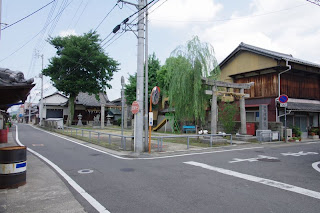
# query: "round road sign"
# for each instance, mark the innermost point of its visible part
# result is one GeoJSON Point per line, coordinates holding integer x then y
{"type": "Point", "coordinates": [283, 99]}
{"type": "Point", "coordinates": [135, 107]}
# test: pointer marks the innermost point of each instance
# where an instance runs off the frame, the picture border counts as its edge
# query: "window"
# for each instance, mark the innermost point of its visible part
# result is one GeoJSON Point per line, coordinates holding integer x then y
{"type": "Point", "coordinates": [252, 116]}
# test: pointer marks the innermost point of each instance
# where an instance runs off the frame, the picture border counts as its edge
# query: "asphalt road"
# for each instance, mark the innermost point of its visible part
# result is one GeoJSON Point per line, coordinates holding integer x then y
{"type": "Point", "coordinates": [263, 178]}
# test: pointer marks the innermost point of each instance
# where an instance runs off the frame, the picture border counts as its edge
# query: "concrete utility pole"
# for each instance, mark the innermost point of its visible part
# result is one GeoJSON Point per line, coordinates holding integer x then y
{"type": "Point", "coordinates": [139, 91]}
{"type": "Point", "coordinates": [122, 108]}
{"type": "Point", "coordinates": [41, 100]}
{"type": "Point", "coordinates": [146, 123]}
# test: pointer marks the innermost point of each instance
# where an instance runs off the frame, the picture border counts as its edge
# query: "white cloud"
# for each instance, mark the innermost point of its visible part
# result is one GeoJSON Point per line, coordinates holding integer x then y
{"type": "Point", "coordinates": [286, 26]}
{"type": "Point", "coordinates": [67, 33]}
{"type": "Point", "coordinates": [177, 13]}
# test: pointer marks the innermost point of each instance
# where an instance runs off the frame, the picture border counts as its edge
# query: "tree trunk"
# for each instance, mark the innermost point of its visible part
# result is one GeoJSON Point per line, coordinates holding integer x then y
{"type": "Point", "coordinates": [71, 109]}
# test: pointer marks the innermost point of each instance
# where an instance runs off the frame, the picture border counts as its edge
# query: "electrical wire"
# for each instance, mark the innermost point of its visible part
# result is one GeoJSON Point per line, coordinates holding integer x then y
{"type": "Point", "coordinates": [105, 17]}
{"type": "Point", "coordinates": [28, 15]}
{"type": "Point", "coordinates": [33, 36]}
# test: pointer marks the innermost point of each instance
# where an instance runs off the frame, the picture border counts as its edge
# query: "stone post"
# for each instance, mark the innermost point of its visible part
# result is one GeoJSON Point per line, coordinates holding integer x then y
{"type": "Point", "coordinates": [243, 129]}
{"type": "Point", "coordinates": [102, 115]}
{"type": "Point", "coordinates": [125, 119]}
{"type": "Point", "coordinates": [214, 110]}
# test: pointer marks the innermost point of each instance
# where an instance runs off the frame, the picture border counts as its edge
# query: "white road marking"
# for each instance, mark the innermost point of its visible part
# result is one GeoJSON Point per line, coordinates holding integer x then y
{"type": "Point", "coordinates": [315, 166]}
{"type": "Point", "coordinates": [72, 183]}
{"type": "Point", "coordinates": [297, 154]}
{"type": "Point", "coordinates": [151, 158]}
{"type": "Point", "coordinates": [264, 181]}
{"type": "Point", "coordinates": [237, 160]}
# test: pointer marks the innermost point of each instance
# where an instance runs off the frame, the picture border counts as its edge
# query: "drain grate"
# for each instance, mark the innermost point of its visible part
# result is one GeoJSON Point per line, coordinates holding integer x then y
{"type": "Point", "coordinates": [85, 171]}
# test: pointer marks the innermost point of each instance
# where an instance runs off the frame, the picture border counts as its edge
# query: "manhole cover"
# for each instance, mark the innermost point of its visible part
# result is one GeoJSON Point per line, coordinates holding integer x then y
{"type": "Point", "coordinates": [85, 171]}
{"type": "Point", "coordinates": [268, 160]}
{"type": "Point", "coordinates": [127, 170]}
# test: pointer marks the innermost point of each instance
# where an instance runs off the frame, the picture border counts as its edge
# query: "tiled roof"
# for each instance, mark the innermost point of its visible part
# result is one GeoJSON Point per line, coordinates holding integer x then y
{"type": "Point", "coordinates": [303, 105]}
{"type": "Point", "coordinates": [268, 53]}
{"type": "Point", "coordinates": [91, 101]}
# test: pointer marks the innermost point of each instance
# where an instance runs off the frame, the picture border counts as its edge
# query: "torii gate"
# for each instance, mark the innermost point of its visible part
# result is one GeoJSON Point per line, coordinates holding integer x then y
{"type": "Point", "coordinates": [215, 93]}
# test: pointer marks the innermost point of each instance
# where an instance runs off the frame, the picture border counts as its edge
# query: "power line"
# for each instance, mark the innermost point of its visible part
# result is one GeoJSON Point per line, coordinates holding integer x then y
{"type": "Point", "coordinates": [105, 16]}
{"type": "Point", "coordinates": [28, 15]}
{"type": "Point", "coordinates": [139, 20]}
{"type": "Point", "coordinates": [85, 7]}
{"type": "Point", "coordinates": [316, 2]}
{"type": "Point", "coordinates": [34, 35]}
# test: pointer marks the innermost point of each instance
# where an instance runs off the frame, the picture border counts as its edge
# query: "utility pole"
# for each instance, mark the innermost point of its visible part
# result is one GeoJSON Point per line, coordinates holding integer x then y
{"type": "Point", "coordinates": [146, 123]}
{"type": "Point", "coordinates": [122, 108]}
{"type": "Point", "coordinates": [139, 92]}
{"type": "Point", "coordinates": [138, 118]}
{"type": "Point", "coordinates": [41, 100]}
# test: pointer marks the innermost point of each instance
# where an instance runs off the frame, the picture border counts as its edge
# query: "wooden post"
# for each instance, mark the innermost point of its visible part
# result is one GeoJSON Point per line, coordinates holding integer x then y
{"type": "Point", "coordinates": [243, 129]}
{"type": "Point", "coordinates": [214, 110]}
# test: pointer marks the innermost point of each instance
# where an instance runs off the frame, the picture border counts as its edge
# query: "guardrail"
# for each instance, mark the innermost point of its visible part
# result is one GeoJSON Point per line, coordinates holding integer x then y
{"type": "Point", "coordinates": [121, 140]}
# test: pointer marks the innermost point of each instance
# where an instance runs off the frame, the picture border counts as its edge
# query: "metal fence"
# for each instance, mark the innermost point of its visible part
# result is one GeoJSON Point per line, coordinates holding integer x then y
{"type": "Point", "coordinates": [123, 142]}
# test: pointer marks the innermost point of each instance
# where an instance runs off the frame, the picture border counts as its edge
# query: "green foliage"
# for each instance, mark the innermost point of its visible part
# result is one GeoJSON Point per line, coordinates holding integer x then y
{"type": "Point", "coordinates": [130, 89]}
{"type": "Point", "coordinates": [119, 122]}
{"type": "Point", "coordinates": [227, 116]}
{"type": "Point", "coordinates": [80, 65]}
{"type": "Point", "coordinates": [181, 78]}
{"type": "Point", "coordinates": [14, 117]}
{"type": "Point", "coordinates": [296, 130]}
{"type": "Point", "coordinates": [153, 67]}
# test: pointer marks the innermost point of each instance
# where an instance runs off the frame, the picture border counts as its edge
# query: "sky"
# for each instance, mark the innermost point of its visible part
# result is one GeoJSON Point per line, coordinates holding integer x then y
{"type": "Point", "coordinates": [287, 26]}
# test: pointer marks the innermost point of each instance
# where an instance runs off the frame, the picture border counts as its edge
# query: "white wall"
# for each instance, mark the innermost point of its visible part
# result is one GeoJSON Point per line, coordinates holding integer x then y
{"type": "Point", "coordinates": [50, 102]}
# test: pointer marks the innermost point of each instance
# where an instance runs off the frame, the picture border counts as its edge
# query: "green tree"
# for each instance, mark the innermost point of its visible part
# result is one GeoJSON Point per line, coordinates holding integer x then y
{"type": "Point", "coordinates": [227, 116]}
{"type": "Point", "coordinates": [185, 68]}
{"type": "Point", "coordinates": [80, 65]}
{"type": "Point", "coordinates": [153, 67]}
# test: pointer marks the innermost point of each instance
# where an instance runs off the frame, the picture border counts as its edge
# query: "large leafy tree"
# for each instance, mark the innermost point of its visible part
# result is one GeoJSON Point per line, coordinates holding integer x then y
{"type": "Point", "coordinates": [80, 65]}
{"type": "Point", "coordinates": [153, 67]}
{"type": "Point", "coordinates": [184, 70]}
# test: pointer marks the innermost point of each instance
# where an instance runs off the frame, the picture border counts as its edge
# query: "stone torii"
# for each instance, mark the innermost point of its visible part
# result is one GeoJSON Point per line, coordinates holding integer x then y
{"type": "Point", "coordinates": [214, 92]}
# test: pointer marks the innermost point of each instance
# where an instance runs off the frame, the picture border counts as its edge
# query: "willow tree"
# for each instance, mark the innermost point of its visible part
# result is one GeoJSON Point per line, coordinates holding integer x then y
{"type": "Point", "coordinates": [185, 68]}
{"type": "Point", "coordinates": [80, 65]}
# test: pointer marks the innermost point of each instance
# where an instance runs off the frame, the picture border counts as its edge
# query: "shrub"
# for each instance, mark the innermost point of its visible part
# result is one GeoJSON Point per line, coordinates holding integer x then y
{"type": "Point", "coordinates": [226, 116]}
{"type": "Point", "coordinates": [296, 130]}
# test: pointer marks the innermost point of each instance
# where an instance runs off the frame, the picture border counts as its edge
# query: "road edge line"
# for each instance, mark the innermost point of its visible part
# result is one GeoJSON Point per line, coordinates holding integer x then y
{"type": "Point", "coordinates": [93, 202]}
{"type": "Point", "coordinates": [150, 158]}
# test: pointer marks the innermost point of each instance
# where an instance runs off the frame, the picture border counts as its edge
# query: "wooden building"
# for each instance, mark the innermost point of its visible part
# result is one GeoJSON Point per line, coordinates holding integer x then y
{"type": "Point", "coordinates": [274, 74]}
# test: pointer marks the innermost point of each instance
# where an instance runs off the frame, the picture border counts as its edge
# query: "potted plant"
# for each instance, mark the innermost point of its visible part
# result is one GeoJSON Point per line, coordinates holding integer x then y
{"type": "Point", "coordinates": [296, 132]}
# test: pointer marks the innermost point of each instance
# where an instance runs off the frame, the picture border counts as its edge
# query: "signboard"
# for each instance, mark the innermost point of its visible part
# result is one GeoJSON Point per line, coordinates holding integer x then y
{"type": "Point", "coordinates": [283, 99]}
{"type": "Point", "coordinates": [155, 95]}
{"type": "Point", "coordinates": [150, 118]}
{"type": "Point", "coordinates": [135, 107]}
{"type": "Point", "coordinates": [283, 104]}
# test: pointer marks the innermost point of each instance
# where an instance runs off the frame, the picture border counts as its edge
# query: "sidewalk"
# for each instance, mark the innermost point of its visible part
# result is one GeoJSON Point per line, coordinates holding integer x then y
{"type": "Point", "coordinates": [44, 191]}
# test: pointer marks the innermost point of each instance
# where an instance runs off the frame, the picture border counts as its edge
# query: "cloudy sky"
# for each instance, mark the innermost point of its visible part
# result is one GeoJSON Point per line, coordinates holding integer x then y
{"type": "Point", "coordinates": [288, 26]}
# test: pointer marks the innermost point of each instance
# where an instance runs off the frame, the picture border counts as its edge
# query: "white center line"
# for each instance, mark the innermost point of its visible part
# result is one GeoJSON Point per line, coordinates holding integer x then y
{"type": "Point", "coordinates": [264, 181]}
